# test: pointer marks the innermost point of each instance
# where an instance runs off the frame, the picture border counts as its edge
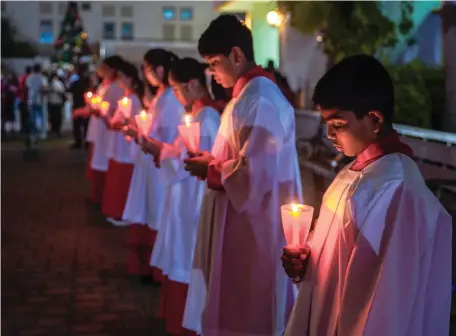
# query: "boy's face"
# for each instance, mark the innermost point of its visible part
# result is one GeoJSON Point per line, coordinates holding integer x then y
{"type": "Point", "coordinates": [349, 134]}
{"type": "Point", "coordinates": [224, 69]}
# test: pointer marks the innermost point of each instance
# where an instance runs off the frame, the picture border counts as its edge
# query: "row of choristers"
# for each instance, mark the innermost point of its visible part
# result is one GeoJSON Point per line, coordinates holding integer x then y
{"type": "Point", "coordinates": [211, 200]}
{"type": "Point", "coordinates": [203, 221]}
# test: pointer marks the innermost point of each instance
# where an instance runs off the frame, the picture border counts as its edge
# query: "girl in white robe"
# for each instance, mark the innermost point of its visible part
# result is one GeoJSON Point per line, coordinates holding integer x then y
{"type": "Point", "coordinates": [97, 133]}
{"type": "Point", "coordinates": [146, 196]}
{"type": "Point", "coordinates": [120, 167]}
{"type": "Point", "coordinates": [175, 244]}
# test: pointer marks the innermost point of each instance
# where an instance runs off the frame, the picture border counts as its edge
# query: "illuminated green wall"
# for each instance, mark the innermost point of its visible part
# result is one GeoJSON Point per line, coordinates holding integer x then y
{"type": "Point", "coordinates": [265, 38]}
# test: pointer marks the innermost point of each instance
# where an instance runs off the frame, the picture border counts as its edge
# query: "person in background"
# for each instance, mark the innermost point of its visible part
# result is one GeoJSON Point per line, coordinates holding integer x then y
{"type": "Point", "coordinates": [9, 90]}
{"type": "Point", "coordinates": [22, 96]}
{"type": "Point", "coordinates": [78, 88]}
{"type": "Point", "coordinates": [56, 99]}
{"type": "Point", "coordinates": [281, 81]}
{"type": "Point", "coordinates": [36, 86]}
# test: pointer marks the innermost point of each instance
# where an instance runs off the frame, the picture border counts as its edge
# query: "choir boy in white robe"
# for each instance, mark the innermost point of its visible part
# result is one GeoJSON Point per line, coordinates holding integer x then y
{"type": "Point", "coordinates": [97, 133]}
{"type": "Point", "coordinates": [379, 261]}
{"type": "Point", "coordinates": [146, 196]}
{"type": "Point", "coordinates": [237, 286]}
{"type": "Point", "coordinates": [119, 149]}
{"type": "Point", "coordinates": [175, 244]}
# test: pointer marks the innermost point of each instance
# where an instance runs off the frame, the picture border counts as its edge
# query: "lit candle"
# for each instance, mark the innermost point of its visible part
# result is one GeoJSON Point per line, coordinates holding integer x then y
{"type": "Point", "coordinates": [125, 101]}
{"type": "Point", "coordinates": [104, 107]}
{"type": "Point", "coordinates": [89, 95]}
{"type": "Point", "coordinates": [188, 120]}
{"type": "Point", "coordinates": [297, 218]}
{"type": "Point", "coordinates": [143, 115]}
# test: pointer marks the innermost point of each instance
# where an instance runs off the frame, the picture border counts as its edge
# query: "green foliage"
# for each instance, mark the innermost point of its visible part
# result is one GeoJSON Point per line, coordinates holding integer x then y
{"type": "Point", "coordinates": [420, 94]}
{"type": "Point", "coordinates": [12, 45]}
{"type": "Point", "coordinates": [349, 27]}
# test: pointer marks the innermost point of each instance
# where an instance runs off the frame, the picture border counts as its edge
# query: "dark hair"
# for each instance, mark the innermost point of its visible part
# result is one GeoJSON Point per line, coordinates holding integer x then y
{"type": "Point", "coordinates": [161, 57]}
{"type": "Point", "coordinates": [114, 62]}
{"type": "Point", "coordinates": [187, 69]}
{"type": "Point", "coordinates": [223, 34]}
{"type": "Point", "coordinates": [28, 69]}
{"type": "Point", "coordinates": [37, 68]}
{"type": "Point", "coordinates": [359, 84]}
{"type": "Point", "coordinates": [131, 71]}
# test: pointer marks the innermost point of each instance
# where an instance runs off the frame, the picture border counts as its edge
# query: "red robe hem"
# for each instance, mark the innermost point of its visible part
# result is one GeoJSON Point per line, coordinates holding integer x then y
{"type": "Point", "coordinates": [140, 242]}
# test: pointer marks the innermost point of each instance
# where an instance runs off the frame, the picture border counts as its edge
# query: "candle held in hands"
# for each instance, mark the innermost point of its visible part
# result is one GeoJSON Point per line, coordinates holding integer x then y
{"type": "Point", "coordinates": [143, 115]}
{"type": "Point", "coordinates": [190, 134]}
{"type": "Point", "coordinates": [188, 120]}
{"type": "Point", "coordinates": [296, 221]}
{"type": "Point", "coordinates": [124, 101]}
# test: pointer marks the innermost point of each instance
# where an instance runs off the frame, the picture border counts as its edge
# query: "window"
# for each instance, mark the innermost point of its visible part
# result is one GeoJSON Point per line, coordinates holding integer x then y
{"type": "Point", "coordinates": [169, 32]}
{"type": "Point", "coordinates": [186, 33]}
{"type": "Point", "coordinates": [109, 10]}
{"type": "Point", "coordinates": [186, 14]}
{"type": "Point", "coordinates": [46, 32]}
{"type": "Point", "coordinates": [109, 31]}
{"type": "Point", "coordinates": [45, 7]}
{"type": "Point", "coordinates": [169, 13]}
{"type": "Point", "coordinates": [127, 31]}
{"type": "Point", "coordinates": [86, 6]}
{"type": "Point", "coordinates": [126, 11]}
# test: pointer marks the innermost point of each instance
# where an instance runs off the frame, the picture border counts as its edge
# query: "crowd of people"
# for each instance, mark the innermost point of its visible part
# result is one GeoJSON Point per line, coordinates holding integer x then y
{"type": "Point", "coordinates": [204, 220]}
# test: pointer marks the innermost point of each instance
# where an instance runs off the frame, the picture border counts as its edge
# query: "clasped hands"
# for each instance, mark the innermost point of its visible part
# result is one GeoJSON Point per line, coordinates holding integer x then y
{"type": "Point", "coordinates": [294, 261]}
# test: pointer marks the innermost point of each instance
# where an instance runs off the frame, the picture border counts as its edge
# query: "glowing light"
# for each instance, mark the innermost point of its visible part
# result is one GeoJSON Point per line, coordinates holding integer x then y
{"type": "Point", "coordinates": [274, 18]}
{"type": "Point", "coordinates": [294, 207]}
{"type": "Point", "coordinates": [104, 105]}
{"type": "Point", "coordinates": [125, 101]}
{"type": "Point", "coordinates": [89, 94]}
{"type": "Point", "coordinates": [319, 38]}
{"type": "Point", "coordinates": [143, 115]}
{"type": "Point", "coordinates": [188, 120]}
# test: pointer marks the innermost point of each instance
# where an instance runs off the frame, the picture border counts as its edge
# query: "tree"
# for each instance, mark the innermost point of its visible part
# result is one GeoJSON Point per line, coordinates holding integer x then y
{"type": "Point", "coordinates": [12, 44]}
{"type": "Point", "coordinates": [72, 43]}
{"type": "Point", "coordinates": [349, 27]}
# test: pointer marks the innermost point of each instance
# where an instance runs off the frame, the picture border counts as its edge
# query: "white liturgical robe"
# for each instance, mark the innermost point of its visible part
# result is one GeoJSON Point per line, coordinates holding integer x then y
{"type": "Point", "coordinates": [380, 261]}
{"type": "Point", "coordinates": [237, 284]}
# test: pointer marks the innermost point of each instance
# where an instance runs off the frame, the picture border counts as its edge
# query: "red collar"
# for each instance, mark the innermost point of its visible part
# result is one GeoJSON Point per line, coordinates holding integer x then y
{"type": "Point", "coordinates": [386, 145]}
{"type": "Point", "coordinates": [199, 104]}
{"type": "Point", "coordinates": [242, 81]}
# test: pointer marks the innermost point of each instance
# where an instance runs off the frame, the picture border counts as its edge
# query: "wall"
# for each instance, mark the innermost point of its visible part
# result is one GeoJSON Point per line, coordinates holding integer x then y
{"type": "Point", "coordinates": [147, 18]}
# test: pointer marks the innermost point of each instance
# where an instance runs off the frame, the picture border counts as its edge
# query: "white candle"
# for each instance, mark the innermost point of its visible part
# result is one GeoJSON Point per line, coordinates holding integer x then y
{"type": "Point", "coordinates": [296, 219]}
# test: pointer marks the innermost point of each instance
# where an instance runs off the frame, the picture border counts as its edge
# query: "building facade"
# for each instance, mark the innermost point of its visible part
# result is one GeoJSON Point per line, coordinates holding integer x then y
{"type": "Point", "coordinates": [39, 22]}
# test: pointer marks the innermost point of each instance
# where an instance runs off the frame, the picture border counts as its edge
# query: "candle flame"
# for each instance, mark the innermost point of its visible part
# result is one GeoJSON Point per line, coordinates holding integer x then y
{"type": "Point", "coordinates": [89, 94]}
{"type": "Point", "coordinates": [125, 101]}
{"type": "Point", "coordinates": [104, 105]}
{"type": "Point", "coordinates": [143, 115]}
{"type": "Point", "coordinates": [187, 120]}
{"type": "Point", "coordinates": [294, 207]}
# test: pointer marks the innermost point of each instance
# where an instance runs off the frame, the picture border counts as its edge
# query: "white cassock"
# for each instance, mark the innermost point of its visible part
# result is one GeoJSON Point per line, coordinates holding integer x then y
{"type": "Point", "coordinates": [175, 244]}
{"type": "Point", "coordinates": [119, 148]}
{"type": "Point", "coordinates": [237, 284]}
{"type": "Point", "coordinates": [98, 132]}
{"type": "Point", "coordinates": [380, 262]}
{"type": "Point", "coordinates": [148, 184]}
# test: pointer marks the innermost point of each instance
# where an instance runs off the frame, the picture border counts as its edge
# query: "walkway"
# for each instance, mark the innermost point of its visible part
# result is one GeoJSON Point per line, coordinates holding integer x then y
{"type": "Point", "coordinates": [63, 267]}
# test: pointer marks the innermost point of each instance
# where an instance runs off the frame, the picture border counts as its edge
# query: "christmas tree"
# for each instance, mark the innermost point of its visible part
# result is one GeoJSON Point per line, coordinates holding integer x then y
{"type": "Point", "coordinates": [72, 45]}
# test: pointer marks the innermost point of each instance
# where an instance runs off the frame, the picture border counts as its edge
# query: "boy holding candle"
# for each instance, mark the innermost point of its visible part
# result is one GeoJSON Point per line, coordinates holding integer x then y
{"type": "Point", "coordinates": [379, 261]}
{"type": "Point", "coordinates": [237, 286]}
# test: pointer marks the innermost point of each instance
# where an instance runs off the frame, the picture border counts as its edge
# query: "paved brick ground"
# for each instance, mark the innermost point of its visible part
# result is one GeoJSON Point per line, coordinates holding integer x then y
{"type": "Point", "coordinates": [63, 267]}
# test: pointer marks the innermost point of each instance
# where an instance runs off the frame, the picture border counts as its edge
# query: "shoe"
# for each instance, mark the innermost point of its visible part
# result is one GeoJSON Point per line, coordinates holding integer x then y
{"type": "Point", "coordinates": [117, 222]}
